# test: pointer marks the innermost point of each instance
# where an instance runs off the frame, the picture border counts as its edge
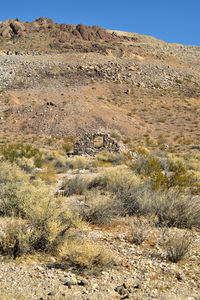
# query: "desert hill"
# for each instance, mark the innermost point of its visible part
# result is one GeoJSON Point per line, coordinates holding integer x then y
{"type": "Point", "coordinates": [96, 79]}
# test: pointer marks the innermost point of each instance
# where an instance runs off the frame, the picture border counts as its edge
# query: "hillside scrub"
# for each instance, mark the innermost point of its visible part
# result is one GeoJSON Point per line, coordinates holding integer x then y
{"type": "Point", "coordinates": [134, 196]}
{"type": "Point", "coordinates": [13, 152]}
{"type": "Point", "coordinates": [165, 174]}
{"type": "Point", "coordinates": [32, 204]}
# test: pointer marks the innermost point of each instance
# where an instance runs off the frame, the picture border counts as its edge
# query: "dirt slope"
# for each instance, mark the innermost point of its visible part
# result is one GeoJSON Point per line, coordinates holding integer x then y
{"type": "Point", "coordinates": [60, 80]}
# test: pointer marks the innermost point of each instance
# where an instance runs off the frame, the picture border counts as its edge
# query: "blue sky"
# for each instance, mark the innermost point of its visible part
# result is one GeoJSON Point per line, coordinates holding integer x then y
{"type": "Point", "coordinates": [169, 20]}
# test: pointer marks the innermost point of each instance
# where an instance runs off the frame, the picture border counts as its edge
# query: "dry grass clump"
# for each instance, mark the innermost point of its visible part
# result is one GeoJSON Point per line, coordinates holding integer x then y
{"type": "Point", "coordinates": [77, 185]}
{"type": "Point", "coordinates": [47, 174]}
{"type": "Point", "coordinates": [107, 159]}
{"type": "Point", "coordinates": [85, 254]}
{"type": "Point", "coordinates": [139, 230]}
{"type": "Point", "coordinates": [176, 245]}
{"type": "Point", "coordinates": [100, 208]}
{"type": "Point", "coordinates": [116, 179]}
{"type": "Point", "coordinates": [77, 163]}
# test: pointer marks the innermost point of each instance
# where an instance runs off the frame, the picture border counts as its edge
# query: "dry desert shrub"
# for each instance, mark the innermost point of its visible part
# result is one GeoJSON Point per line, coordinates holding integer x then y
{"type": "Point", "coordinates": [116, 179]}
{"type": "Point", "coordinates": [41, 231]}
{"type": "Point", "coordinates": [139, 230]}
{"type": "Point", "coordinates": [107, 159]}
{"type": "Point", "coordinates": [60, 163]}
{"type": "Point", "coordinates": [26, 164]}
{"type": "Point", "coordinates": [77, 185]}
{"type": "Point", "coordinates": [48, 223]}
{"type": "Point", "coordinates": [14, 237]}
{"type": "Point", "coordinates": [77, 163]}
{"type": "Point", "coordinates": [85, 254]}
{"type": "Point", "coordinates": [17, 198]}
{"type": "Point", "coordinates": [10, 173]}
{"type": "Point", "coordinates": [171, 208]}
{"type": "Point", "coordinates": [47, 174]}
{"type": "Point", "coordinates": [100, 208]}
{"type": "Point", "coordinates": [176, 244]}
{"type": "Point", "coordinates": [121, 182]}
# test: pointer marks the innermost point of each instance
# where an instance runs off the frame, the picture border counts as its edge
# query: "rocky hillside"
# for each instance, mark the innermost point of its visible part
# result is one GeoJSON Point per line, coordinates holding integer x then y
{"type": "Point", "coordinates": [128, 77]}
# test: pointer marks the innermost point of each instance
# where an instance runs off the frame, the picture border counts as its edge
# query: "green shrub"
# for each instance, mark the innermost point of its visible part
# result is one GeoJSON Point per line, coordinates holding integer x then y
{"type": "Point", "coordinates": [12, 152]}
{"type": "Point", "coordinates": [165, 176]}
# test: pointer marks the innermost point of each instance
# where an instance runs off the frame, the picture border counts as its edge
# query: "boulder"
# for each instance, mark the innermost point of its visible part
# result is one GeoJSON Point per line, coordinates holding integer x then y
{"type": "Point", "coordinates": [7, 32]}
{"type": "Point", "coordinates": [17, 27]}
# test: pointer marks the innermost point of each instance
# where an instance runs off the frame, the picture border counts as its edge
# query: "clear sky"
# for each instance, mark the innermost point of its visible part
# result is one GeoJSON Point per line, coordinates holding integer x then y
{"type": "Point", "coordinates": [169, 20]}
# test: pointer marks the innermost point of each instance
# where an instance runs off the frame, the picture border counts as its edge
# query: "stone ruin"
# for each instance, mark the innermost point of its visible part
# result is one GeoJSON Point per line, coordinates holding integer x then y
{"type": "Point", "coordinates": [93, 143]}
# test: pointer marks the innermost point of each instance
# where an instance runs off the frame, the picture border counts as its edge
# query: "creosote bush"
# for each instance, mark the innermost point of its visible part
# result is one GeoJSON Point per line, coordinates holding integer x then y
{"type": "Point", "coordinates": [12, 152]}
{"type": "Point", "coordinates": [165, 176]}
